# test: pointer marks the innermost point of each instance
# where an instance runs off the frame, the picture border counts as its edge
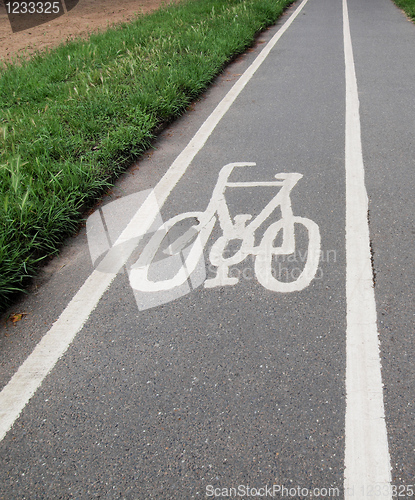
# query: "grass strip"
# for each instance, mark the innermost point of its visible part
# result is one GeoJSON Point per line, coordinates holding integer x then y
{"type": "Point", "coordinates": [408, 6]}
{"type": "Point", "coordinates": [73, 118]}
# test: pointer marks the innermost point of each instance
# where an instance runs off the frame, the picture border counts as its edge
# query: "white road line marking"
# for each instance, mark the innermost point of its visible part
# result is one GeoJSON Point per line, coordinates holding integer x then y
{"type": "Point", "coordinates": [367, 461]}
{"type": "Point", "coordinates": [30, 375]}
{"type": "Point", "coordinates": [242, 227]}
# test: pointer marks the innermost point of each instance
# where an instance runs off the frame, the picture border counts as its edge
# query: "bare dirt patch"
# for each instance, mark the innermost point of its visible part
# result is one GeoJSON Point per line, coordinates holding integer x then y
{"type": "Point", "coordinates": [87, 17]}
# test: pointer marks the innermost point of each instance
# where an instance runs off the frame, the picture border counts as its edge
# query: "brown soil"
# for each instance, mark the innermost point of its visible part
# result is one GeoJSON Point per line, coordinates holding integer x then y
{"type": "Point", "coordinates": [86, 17]}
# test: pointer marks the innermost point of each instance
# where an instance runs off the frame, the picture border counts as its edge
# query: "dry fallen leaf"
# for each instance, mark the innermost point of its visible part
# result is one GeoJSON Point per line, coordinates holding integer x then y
{"type": "Point", "coordinates": [14, 318]}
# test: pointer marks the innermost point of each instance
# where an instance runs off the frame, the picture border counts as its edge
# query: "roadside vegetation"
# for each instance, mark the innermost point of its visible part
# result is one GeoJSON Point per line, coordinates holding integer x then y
{"type": "Point", "coordinates": [408, 6]}
{"type": "Point", "coordinates": [73, 118]}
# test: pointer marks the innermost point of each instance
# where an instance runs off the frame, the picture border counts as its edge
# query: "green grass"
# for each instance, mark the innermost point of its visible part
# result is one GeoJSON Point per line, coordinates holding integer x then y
{"type": "Point", "coordinates": [408, 6]}
{"type": "Point", "coordinates": [72, 119]}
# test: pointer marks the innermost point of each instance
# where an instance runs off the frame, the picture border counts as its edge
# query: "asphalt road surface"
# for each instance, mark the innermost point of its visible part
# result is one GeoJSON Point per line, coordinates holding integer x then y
{"type": "Point", "coordinates": [264, 347]}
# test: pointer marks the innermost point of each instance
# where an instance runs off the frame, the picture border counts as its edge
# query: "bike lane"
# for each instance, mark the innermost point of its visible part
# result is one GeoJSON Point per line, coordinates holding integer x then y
{"type": "Point", "coordinates": [224, 386]}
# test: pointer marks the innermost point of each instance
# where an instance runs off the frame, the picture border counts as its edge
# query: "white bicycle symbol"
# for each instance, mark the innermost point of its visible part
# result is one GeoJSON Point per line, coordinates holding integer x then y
{"type": "Point", "coordinates": [191, 244]}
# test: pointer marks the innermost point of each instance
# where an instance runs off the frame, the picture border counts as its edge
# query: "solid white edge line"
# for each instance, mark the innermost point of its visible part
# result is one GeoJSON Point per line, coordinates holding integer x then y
{"type": "Point", "coordinates": [28, 378]}
{"type": "Point", "coordinates": [367, 461]}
